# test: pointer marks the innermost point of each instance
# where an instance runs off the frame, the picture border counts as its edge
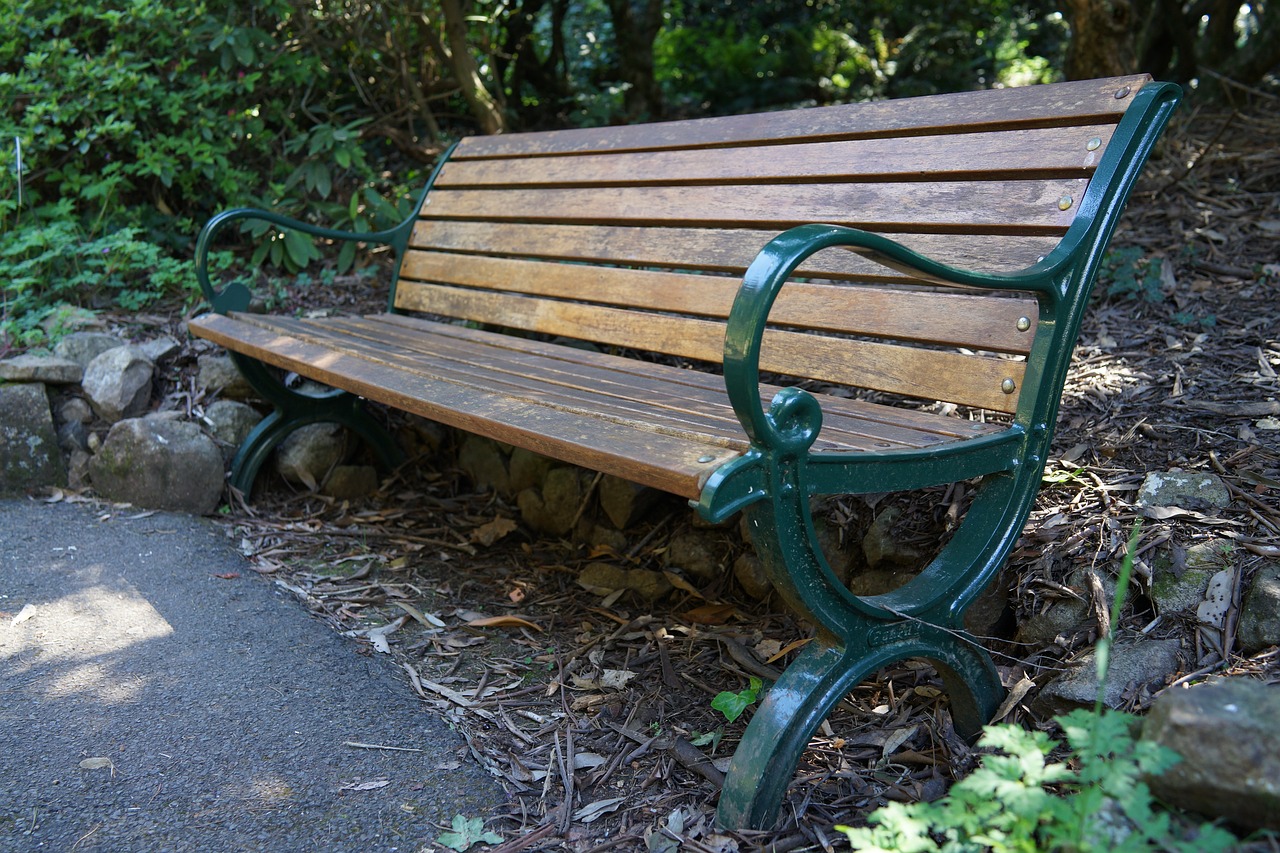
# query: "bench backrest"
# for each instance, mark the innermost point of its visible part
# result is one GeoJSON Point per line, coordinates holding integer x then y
{"type": "Point", "coordinates": [637, 237]}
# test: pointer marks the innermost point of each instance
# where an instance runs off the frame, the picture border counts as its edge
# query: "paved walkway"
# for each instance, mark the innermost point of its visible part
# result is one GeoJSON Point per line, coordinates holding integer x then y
{"type": "Point", "coordinates": [148, 704]}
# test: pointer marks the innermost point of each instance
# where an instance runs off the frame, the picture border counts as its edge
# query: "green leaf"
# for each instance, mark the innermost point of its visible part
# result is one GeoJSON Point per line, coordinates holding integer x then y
{"type": "Point", "coordinates": [466, 833]}
{"type": "Point", "coordinates": [733, 704]}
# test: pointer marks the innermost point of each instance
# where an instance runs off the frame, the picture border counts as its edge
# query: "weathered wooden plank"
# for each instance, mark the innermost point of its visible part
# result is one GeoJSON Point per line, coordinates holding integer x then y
{"type": "Point", "coordinates": [693, 384]}
{"type": "Point", "coordinates": [962, 320]}
{"type": "Point", "coordinates": [914, 372]}
{"type": "Point", "coordinates": [666, 462]}
{"type": "Point", "coordinates": [609, 386]}
{"type": "Point", "coordinates": [1082, 102]}
{"type": "Point", "coordinates": [1001, 155]}
{"type": "Point", "coordinates": [597, 387]}
{"type": "Point", "coordinates": [717, 249]}
{"type": "Point", "coordinates": [1019, 207]}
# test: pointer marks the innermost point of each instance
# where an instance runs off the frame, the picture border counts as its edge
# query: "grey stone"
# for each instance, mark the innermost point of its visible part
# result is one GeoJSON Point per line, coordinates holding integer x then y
{"type": "Point", "coordinates": [751, 575]}
{"type": "Point", "coordinates": [159, 464]}
{"type": "Point", "coordinates": [307, 456]}
{"type": "Point", "coordinates": [1179, 582]}
{"type": "Point", "coordinates": [1134, 665]}
{"type": "Point", "coordinates": [623, 501]}
{"type": "Point", "coordinates": [603, 579]}
{"type": "Point", "coordinates": [84, 347]}
{"type": "Point", "coordinates": [599, 536]}
{"type": "Point", "coordinates": [347, 482]}
{"type": "Point", "coordinates": [1194, 490]}
{"type": "Point", "coordinates": [485, 463]}
{"type": "Point", "coordinates": [553, 508]}
{"type": "Point", "coordinates": [75, 409]}
{"type": "Point", "coordinates": [29, 456]}
{"type": "Point", "coordinates": [229, 422]}
{"type": "Point", "coordinates": [118, 383]}
{"type": "Point", "coordinates": [527, 469]}
{"type": "Point", "coordinates": [1259, 625]}
{"type": "Point", "coordinates": [78, 470]}
{"type": "Point", "coordinates": [217, 373]}
{"type": "Point", "coordinates": [1228, 734]}
{"type": "Point", "coordinates": [839, 556]}
{"type": "Point", "coordinates": [695, 552]}
{"type": "Point", "coordinates": [1065, 615]}
{"type": "Point", "coordinates": [158, 348]}
{"type": "Point", "coordinates": [881, 545]}
{"type": "Point", "coordinates": [52, 370]}
{"type": "Point", "coordinates": [73, 436]}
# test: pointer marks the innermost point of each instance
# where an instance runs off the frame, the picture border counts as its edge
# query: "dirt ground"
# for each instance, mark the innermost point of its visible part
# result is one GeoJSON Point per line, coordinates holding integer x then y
{"type": "Point", "coordinates": [595, 710]}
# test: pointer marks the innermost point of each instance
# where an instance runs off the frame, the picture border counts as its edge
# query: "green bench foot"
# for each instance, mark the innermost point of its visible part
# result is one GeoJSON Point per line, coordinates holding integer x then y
{"type": "Point", "coordinates": [796, 705]}
{"type": "Point", "coordinates": [294, 410]}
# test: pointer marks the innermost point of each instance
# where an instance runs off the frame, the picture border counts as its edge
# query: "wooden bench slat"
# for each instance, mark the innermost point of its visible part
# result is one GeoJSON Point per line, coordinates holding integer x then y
{"type": "Point", "coordinates": [558, 424]}
{"type": "Point", "coordinates": [656, 459]}
{"type": "Point", "coordinates": [1020, 207]}
{"type": "Point", "coordinates": [704, 387]}
{"type": "Point", "coordinates": [1004, 155]}
{"type": "Point", "coordinates": [595, 385]}
{"type": "Point", "coordinates": [1083, 102]}
{"type": "Point", "coordinates": [678, 399]}
{"type": "Point", "coordinates": [927, 374]}
{"type": "Point", "coordinates": [955, 319]}
{"type": "Point", "coordinates": [716, 249]}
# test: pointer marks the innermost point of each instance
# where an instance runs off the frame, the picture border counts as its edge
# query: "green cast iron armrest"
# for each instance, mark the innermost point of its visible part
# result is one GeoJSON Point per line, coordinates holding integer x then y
{"type": "Point", "coordinates": [791, 423]}
{"type": "Point", "coordinates": [236, 296]}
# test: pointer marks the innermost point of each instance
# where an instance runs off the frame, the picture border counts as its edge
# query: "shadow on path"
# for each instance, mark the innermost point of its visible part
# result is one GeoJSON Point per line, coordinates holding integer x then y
{"type": "Point", "coordinates": [211, 714]}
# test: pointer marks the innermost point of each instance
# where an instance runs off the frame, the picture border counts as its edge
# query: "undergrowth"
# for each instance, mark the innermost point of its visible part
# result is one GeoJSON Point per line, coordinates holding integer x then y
{"type": "Point", "coordinates": [1018, 800]}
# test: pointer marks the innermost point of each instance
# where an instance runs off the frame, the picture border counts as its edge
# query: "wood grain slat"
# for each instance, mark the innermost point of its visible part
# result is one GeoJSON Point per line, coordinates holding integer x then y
{"type": "Point", "coordinates": [954, 319]}
{"type": "Point", "coordinates": [663, 461]}
{"type": "Point", "coordinates": [715, 249]}
{"type": "Point", "coordinates": [331, 347]}
{"type": "Point", "coordinates": [1004, 155]}
{"type": "Point", "coordinates": [927, 374]}
{"type": "Point", "coordinates": [701, 385]}
{"type": "Point", "coordinates": [1020, 207]}
{"type": "Point", "coordinates": [1064, 104]}
{"type": "Point", "coordinates": [668, 399]}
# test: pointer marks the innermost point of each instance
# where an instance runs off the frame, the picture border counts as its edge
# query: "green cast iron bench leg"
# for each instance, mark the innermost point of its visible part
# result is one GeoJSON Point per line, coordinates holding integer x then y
{"type": "Point", "coordinates": [294, 410]}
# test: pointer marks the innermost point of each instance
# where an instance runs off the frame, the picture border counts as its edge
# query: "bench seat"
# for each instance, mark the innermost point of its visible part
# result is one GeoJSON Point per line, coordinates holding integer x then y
{"type": "Point", "coordinates": [654, 424]}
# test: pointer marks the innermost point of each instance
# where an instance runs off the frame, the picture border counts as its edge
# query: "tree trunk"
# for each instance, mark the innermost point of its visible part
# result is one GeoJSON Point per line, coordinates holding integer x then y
{"type": "Point", "coordinates": [635, 26]}
{"type": "Point", "coordinates": [1103, 35]}
{"type": "Point", "coordinates": [484, 107]}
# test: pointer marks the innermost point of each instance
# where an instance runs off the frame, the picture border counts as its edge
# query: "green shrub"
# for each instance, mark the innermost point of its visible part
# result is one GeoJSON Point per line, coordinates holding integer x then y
{"type": "Point", "coordinates": [50, 267]}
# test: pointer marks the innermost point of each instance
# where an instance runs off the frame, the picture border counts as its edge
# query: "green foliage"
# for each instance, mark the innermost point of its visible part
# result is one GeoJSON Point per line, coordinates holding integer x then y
{"type": "Point", "coordinates": [733, 704]}
{"type": "Point", "coordinates": [45, 269]}
{"type": "Point", "coordinates": [466, 833]}
{"type": "Point", "coordinates": [1020, 801]}
{"type": "Point", "coordinates": [1130, 272]}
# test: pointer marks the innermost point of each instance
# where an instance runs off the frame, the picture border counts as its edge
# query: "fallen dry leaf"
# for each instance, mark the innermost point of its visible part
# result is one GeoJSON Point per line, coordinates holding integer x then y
{"type": "Point", "coordinates": [487, 534]}
{"type": "Point", "coordinates": [502, 622]}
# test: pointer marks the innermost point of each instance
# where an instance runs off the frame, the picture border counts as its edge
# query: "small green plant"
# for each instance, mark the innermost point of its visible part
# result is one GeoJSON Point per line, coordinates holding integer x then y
{"type": "Point", "coordinates": [733, 704]}
{"type": "Point", "coordinates": [1019, 801]}
{"type": "Point", "coordinates": [466, 833]}
{"type": "Point", "coordinates": [1129, 272]}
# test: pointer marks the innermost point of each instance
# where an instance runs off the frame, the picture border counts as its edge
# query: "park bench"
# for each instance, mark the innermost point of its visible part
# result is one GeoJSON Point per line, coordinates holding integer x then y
{"type": "Point", "coordinates": [688, 304]}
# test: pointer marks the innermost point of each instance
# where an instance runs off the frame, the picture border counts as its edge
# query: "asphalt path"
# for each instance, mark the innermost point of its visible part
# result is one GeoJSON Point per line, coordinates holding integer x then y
{"type": "Point", "coordinates": [158, 695]}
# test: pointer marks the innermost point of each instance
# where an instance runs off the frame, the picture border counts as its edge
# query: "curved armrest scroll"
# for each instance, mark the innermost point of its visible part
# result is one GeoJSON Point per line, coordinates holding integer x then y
{"type": "Point", "coordinates": [235, 296]}
{"type": "Point", "coordinates": [790, 424]}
